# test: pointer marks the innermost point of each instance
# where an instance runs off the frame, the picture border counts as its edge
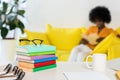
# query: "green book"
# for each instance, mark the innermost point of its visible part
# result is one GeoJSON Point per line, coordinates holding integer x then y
{"type": "Point", "coordinates": [35, 48]}
{"type": "Point", "coordinates": [38, 69]}
{"type": "Point", "coordinates": [35, 53]}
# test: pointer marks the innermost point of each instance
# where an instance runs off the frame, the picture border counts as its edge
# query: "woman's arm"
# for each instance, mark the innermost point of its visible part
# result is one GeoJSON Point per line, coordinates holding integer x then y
{"type": "Point", "coordinates": [99, 39]}
{"type": "Point", "coordinates": [118, 35]}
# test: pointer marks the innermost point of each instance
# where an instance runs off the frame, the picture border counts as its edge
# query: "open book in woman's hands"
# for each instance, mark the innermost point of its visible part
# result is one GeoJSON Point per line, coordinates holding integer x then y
{"type": "Point", "coordinates": [91, 38]}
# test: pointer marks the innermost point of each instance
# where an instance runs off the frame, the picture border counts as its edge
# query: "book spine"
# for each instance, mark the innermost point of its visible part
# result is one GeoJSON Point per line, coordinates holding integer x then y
{"type": "Point", "coordinates": [45, 63]}
{"type": "Point", "coordinates": [34, 57]}
{"type": "Point", "coordinates": [39, 60]}
{"type": "Point", "coordinates": [38, 69]}
{"type": "Point", "coordinates": [24, 57]}
{"type": "Point", "coordinates": [45, 59]}
{"type": "Point", "coordinates": [44, 68]}
{"type": "Point", "coordinates": [41, 48]}
{"type": "Point", "coordinates": [41, 57]}
{"type": "Point", "coordinates": [30, 65]}
{"type": "Point", "coordinates": [36, 53]}
{"type": "Point", "coordinates": [34, 48]}
{"type": "Point", "coordinates": [41, 53]}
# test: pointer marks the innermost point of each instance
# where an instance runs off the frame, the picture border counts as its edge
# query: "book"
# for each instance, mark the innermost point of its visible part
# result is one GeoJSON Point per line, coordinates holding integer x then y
{"type": "Point", "coordinates": [35, 53]}
{"type": "Point", "coordinates": [90, 75]}
{"type": "Point", "coordinates": [91, 38]}
{"type": "Point", "coordinates": [116, 63]}
{"type": "Point", "coordinates": [38, 69]}
{"type": "Point", "coordinates": [34, 57]}
{"type": "Point", "coordinates": [36, 65]}
{"type": "Point", "coordinates": [35, 48]}
{"type": "Point", "coordinates": [39, 60]}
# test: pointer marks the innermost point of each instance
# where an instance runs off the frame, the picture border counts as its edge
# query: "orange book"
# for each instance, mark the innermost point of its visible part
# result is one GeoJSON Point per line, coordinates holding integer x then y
{"type": "Point", "coordinates": [39, 68]}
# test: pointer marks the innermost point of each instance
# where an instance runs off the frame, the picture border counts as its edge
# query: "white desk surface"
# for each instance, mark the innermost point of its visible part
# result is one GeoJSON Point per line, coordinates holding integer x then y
{"type": "Point", "coordinates": [57, 73]}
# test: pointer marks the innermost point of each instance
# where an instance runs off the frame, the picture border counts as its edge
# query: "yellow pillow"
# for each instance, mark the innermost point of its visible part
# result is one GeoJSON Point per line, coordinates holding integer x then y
{"type": "Point", "coordinates": [118, 30]}
{"type": "Point", "coordinates": [37, 35]}
{"type": "Point", "coordinates": [64, 38]}
{"type": "Point", "coordinates": [62, 55]}
{"type": "Point", "coordinates": [114, 52]}
{"type": "Point", "coordinates": [83, 30]}
{"type": "Point", "coordinates": [109, 41]}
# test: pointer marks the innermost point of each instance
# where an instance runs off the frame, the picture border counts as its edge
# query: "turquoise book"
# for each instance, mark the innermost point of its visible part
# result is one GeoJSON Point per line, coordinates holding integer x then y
{"type": "Point", "coordinates": [36, 48]}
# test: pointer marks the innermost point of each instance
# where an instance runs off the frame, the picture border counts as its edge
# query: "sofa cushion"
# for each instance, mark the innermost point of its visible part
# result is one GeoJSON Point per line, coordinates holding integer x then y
{"type": "Point", "coordinates": [62, 55]}
{"type": "Point", "coordinates": [104, 45]}
{"type": "Point", "coordinates": [64, 38]}
{"type": "Point", "coordinates": [118, 30]}
{"type": "Point", "coordinates": [37, 35]}
{"type": "Point", "coordinates": [114, 52]}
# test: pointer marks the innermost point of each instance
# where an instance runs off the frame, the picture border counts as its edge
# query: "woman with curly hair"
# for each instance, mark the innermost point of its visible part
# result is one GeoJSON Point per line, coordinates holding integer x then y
{"type": "Point", "coordinates": [99, 16]}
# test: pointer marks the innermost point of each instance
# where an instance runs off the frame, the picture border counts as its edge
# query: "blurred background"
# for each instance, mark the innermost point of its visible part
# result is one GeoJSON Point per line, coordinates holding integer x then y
{"type": "Point", "coordinates": [67, 13]}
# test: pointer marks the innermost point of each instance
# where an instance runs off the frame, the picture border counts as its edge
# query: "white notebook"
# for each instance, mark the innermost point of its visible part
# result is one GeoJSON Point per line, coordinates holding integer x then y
{"type": "Point", "coordinates": [85, 76]}
{"type": "Point", "coordinates": [114, 64]}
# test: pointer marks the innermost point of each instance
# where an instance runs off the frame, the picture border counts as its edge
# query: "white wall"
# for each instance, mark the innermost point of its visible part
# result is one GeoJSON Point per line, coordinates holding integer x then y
{"type": "Point", "coordinates": [67, 13]}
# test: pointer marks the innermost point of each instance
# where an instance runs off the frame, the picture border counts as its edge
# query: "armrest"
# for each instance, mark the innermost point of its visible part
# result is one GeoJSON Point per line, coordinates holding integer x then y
{"type": "Point", "coordinates": [114, 52]}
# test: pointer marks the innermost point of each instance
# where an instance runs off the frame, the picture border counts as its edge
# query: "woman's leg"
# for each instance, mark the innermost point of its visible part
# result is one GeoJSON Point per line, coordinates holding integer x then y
{"type": "Point", "coordinates": [79, 53]}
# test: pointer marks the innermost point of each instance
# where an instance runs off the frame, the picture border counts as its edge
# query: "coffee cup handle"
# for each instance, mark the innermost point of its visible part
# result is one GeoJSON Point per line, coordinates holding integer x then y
{"type": "Point", "coordinates": [87, 61]}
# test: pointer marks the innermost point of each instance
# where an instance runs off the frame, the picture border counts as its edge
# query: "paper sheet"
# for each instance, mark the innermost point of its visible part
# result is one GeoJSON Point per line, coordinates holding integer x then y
{"type": "Point", "coordinates": [85, 76]}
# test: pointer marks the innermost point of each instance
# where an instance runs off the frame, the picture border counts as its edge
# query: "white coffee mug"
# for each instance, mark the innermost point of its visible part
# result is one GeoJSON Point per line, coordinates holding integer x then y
{"type": "Point", "coordinates": [98, 62]}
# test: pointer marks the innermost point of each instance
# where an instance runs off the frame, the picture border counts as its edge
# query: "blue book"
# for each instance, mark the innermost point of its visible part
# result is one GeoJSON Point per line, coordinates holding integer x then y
{"type": "Point", "coordinates": [35, 48]}
{"type": "Point", "coordinates": [39, 60]}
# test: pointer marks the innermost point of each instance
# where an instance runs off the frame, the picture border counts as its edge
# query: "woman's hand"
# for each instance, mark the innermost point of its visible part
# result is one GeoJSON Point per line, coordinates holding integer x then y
{"type": "Point", "coordinates": [99, 40]}
{"type": "Point", "coordinates": [84, 41]}
{"type": "Point", "coordinates": [118, 35]}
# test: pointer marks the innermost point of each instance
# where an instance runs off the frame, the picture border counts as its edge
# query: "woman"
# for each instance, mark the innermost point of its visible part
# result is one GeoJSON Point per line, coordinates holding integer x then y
{"type": "Point", "coordinates": [99, 16]}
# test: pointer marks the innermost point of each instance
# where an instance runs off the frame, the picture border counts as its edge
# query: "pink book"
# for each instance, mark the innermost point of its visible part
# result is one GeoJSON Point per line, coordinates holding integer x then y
{"type": "Point", "coordinates": [34, 57]}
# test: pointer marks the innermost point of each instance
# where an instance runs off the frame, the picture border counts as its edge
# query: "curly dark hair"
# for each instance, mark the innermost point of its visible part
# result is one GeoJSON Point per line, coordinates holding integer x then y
{"type": "Point", "coordinates": [101, 13]}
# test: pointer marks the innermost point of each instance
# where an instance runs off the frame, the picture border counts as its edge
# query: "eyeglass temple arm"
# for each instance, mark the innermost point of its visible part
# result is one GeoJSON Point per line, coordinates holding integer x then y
{"type": "Point", "coordinates": [34, 42]}
{"type": "Point", "coordinates": [41, 42]}
{"type": "Point", "coordinates": [23, 40]}
{"type": "Point", "coordinates": [37, 39]}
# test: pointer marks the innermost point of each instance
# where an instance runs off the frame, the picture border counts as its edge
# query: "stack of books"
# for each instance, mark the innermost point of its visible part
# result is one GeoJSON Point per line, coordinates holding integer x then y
{"type": "Point", "coordinates": [36, 57]}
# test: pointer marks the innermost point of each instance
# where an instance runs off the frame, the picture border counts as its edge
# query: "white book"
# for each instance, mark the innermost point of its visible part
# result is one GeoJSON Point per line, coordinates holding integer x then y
{"type": "Point", "coordinates": [85, 76]}
{"type": "Point", "coordinates": [114, 64]}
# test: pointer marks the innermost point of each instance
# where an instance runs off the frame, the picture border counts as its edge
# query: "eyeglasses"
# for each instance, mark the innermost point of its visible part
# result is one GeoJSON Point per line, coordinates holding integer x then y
{"type": "Point", "coordinates": [27, 41]}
